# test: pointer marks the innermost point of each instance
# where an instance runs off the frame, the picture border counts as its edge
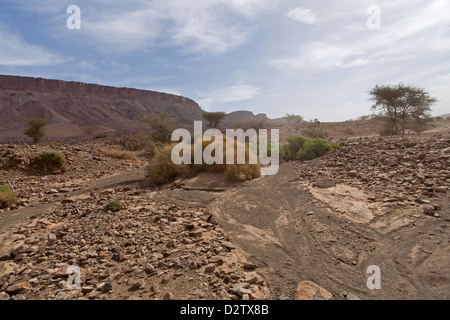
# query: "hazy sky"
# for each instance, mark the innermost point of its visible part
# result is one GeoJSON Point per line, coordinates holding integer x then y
{"type": "Point", "coordinates": [314, 58]}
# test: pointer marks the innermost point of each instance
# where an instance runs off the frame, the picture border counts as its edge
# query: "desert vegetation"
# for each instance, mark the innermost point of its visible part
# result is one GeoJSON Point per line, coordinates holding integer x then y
{"type": "Point", "coordinates": [400, 105]}
{"type": "Point", "coordinates": [7, 196]}
{"type": "Point", "coordinates": [49, 162]}
{"type": "Point", "coordinates": [214, 118]}
{"type": "Point", "coordinates": [35, 129]}
{"type": "Point", "coordinates": [162, 126]}
{"type": "Point", "coordinates": [120, 155]}
{"type": "Point", "coordinates": [314, 133]}
{"type": "Point", "coordinates": [162, 170]}
{"type": "Point", "coordinates": [113, 205]}
{"type": "Point", "coordinates": [302, 149]}
{"type": "Point", "coordinates": [293, 119]}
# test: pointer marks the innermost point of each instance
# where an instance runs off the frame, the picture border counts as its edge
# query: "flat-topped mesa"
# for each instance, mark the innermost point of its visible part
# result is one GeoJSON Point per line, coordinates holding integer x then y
{"type": "Point", "coordinates": [40, 84]}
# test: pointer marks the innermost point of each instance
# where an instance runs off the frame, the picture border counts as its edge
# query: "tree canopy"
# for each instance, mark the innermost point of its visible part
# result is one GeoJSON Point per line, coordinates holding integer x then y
{"type": "Point", "coordinates": [401, 103]}
{"type": "Point", "coordinates": [162, 124]}
{"type": "Point", "coordinates": [35, 128]}
{"type": "Point", "coordinates": [292, 119]}
{"type": "Point", "coordinates": [214, 118]}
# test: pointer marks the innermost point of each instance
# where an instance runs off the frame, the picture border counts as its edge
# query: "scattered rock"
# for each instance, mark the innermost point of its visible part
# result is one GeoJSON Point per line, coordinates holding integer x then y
{"type": "Point", "coordinates": [308, 290]}
{"type": "Point", "coordinates": [4, 296]}
{"type": "Point", "coordinates": [429, 210]}
{"type": "Point", "coordinates": [17, 288]}
{"type": "Point", "coordinates": [169, 296]}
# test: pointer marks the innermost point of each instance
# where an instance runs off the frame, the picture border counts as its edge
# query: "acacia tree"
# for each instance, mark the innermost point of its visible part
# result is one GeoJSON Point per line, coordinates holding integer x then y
{"type": "Point", "coordinates": [35, 129]}
{"type": "Point", "coordinates": [162, 124]}
{"type": "Point", "coordinates": [400, 104]}
{"type": "Point", "coordinates": [214, 118]}
{"type": "Point", "coordinates": [293, 119]}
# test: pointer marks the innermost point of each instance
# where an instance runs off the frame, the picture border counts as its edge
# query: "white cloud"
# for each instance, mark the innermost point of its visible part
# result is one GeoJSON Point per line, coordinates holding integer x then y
{"type": "Point", "coordinates": [202, 28]}
{"type": "Point", "coordinates": [196, 27]}
{"type": "Point", "coordinates": [16, 52]}
{"type": "Point", "coordinates": [229, 94]}
{"type": "Point", "coordinates": [317, 55]}
{"type": "Point", "coordinates": [422, 32]}
{"type": "Point", "coordinates": [302, 15]}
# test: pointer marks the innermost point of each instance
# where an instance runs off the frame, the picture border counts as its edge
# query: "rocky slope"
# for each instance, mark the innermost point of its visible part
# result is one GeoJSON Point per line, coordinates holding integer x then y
{"type": "Point", "coordinates": [77, 109]}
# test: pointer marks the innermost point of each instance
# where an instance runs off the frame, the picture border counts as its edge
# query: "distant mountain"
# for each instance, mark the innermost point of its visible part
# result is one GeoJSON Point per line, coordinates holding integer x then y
{"type": "Point", "coordinates": [242, 116]}
{"type": "Point", "coordinates": [444, 116]}
{"type": "Point", "coordinates": [77, 109]}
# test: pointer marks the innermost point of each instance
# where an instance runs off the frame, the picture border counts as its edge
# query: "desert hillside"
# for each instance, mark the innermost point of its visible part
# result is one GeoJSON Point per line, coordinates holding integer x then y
{"type": "Point", "coordinates": [77, 109]}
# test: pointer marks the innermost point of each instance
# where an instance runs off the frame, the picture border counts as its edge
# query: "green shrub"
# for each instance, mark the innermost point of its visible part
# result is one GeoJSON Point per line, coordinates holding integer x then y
{"type": "Point", "coordinates": [101, 136]}
{"type": "Point", "coordinates": [289, 151]}
{"type": "Point", "coordinates": [7, 196]}
{"type": "Point", "coordinates": [113, 205]}
{"type": "Point", "coordinates": [314, 133]}
{"type": "Point", "coordinates": [162, 125]}
{"type": "Point", "coordinates": [315, 148]}
{"type": "Point", "coordinates": [50, 161]}
{"type": "Point", "coordinates": [137, 141]}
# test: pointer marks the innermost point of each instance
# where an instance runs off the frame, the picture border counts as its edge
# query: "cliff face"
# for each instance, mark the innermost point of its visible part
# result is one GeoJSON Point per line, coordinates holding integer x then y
{"type": "Point", "coordinates": [75, 108]}
{"type": "Point", "coordinates": [40, 84]}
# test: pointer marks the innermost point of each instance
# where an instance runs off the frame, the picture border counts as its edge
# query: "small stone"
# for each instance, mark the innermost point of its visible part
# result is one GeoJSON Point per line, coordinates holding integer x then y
{"type": "Point", "coordinates": [135, 284]}
{"type": "Point", "coordinates": [429, 210]}
{"type": "Point", "coordinates": [93, 295]}
{"type": "Point", "coordinates": [238, 286]}
{"type": "Point", "coordinates": [429, 183]}
{"type": "Point", "coordinates": [210, 269]}
{"type": "Point", "coordinates": [62, 296]}
{"type": "Point", "coordinates": [169, 296]}
{"type": "Point", "coordinates": [4, 296]}
{"type": "Point", "coordinates": [18, 288]}
{"type": "Point", "coordinates": [158, 256]}
{"type": "Point", "coordinates": [87, 289]}
{"type": "Point", "coordinates": [250, 266]}
{"type": "Point", "coordinates": [228, 245]}
{"type": "Point", "coordinates": [440, 189]}
{"type": "Point", "coordinates": [352, 297]}
{"type": "Point", "coordinates": [353, 173]}
{"type": "Point", "coordinates": [166, 279]}
{"type": "Point", "coordinates": [308, 290]}
{"type": "Point", "coordinates": [5, 257]}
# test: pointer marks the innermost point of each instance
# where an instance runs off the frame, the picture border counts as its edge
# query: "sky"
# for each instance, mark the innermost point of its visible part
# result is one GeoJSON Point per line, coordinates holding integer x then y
{"type": "Point", "coordinates": [314, 58]}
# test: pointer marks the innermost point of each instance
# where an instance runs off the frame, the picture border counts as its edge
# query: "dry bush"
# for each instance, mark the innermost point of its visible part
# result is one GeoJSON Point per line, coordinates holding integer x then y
{"type": "Point", "coordinates": [119, 155]}
{"type": "Point", "coordinates": [162, 170]}
{"type": "Point", "coordinates": [7, 197]}
{"type": "Point", "coordinates": [349, 130]}
{"type": "Point", "coordinates": [314, 133]}
{"type": "Point", "coordinates": [49, 162]}
{"type": "Point", "coordinates": [137, 141]}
